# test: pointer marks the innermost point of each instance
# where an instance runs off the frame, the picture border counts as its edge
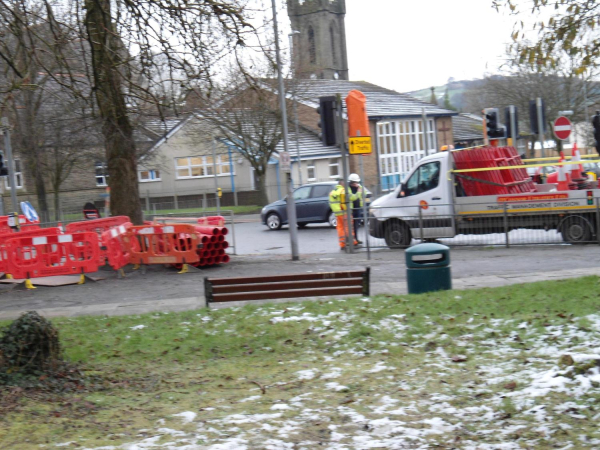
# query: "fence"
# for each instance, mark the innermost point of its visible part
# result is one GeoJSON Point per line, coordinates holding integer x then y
{"type": "Point", "coordinates": [503, 227]}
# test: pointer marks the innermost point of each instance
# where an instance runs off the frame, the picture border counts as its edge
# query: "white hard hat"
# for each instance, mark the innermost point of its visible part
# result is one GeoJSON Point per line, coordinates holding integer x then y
{"type": "Point", "coordinates": [354, 178]}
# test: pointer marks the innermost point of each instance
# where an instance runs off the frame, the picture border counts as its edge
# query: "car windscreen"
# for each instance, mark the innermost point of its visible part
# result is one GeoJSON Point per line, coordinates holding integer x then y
{"type": "Point", "coordinates": [321, 190]}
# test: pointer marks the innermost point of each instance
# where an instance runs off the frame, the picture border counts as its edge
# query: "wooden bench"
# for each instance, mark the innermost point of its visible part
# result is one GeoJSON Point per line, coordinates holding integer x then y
{"type": "Point", "coordinates": [218, 290]}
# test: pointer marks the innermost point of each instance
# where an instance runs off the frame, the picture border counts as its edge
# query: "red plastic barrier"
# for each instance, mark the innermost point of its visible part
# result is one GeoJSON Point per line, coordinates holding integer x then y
{"type": "Point", "coordinates": [116, 250]}
{"type": "Point", "coordinates": [51, 255]}
{"type": "Point", "coordinates": [163, 244]}
{"type": "Point", "coordinates": [4, 228]}
{"type": "Point", "coordinates": [28, 232]}
{"type": "Point", "coordinates": [217, 221]}
{"type": "Point", "coordinates": [98, 226]}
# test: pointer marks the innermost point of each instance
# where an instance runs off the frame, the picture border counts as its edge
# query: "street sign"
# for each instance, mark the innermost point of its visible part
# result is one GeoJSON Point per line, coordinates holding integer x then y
{"type": "Point", "coordinates": [360, 145]}
{"type": "Point", "coordinates": [29, 212]}
{"type": "Point", "coordinates": [562, 128]}
{"type": "Point", "coordinates": [285, 161]}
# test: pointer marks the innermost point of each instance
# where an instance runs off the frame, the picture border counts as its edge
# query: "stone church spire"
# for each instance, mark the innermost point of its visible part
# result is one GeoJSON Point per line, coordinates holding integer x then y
{"type": "Point", "coordinates": [320, 47]}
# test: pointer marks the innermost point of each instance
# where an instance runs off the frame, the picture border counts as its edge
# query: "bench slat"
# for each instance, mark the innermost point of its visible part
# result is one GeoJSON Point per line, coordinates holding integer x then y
{"type": "Point", "coordinates": [292, 293]}
{"type": "Point", "coordinates": [287, 285]}
{"type": "Point", "coordinates": [280, 278]}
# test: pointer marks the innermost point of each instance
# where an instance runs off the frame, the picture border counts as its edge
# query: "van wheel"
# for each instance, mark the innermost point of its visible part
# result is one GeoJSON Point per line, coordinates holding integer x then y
{"type": "Point", "coordinates": [397, 235]}
{"type": "Point", "coordinates": [576, 230]}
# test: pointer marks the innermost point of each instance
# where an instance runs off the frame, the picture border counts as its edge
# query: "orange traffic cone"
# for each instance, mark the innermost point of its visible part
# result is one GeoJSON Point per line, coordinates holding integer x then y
{"type": "Point", "coordinates": [563, 182]}
{"type": "Point", "coordinates": [576, 169]}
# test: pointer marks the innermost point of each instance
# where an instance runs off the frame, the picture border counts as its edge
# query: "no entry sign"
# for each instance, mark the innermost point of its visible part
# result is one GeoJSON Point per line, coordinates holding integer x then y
{"type": "Point", "coordinates": [562, 128]}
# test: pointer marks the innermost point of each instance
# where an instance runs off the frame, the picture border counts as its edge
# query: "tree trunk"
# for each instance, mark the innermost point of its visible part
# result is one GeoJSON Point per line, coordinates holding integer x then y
{"type": "Point", "coordinates": [263, 198]}
{"type": "Point", "coordinates": [56, 205]}
{"type": "Point", "coordinates": [116, 128]}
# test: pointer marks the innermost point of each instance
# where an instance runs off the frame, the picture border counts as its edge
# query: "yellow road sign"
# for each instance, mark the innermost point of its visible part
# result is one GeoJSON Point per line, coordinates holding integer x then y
{"type": "Point", "coordinates": [360, 145]}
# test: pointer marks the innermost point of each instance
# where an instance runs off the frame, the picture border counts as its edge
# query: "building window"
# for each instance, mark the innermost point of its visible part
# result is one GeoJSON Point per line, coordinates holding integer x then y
{"type": "Point", "coordinates": [334, 168]}
{"type": "Point", "coordinates": [149, 175]}
{"type": "Point", "coordinates": [101, 174]}
{"type": "Point", "coordinates": [333, 46]}
{"type": "Point", "coordinates": [18, 176]}
{"type": "Point", "coordinates": [312, 49]}
{"type": "Point", "coordinates": [401, 144]}
{"type": "Point", "coordinates": [310, 171]}
{"type": "Point", "coordinates": [201, 166]}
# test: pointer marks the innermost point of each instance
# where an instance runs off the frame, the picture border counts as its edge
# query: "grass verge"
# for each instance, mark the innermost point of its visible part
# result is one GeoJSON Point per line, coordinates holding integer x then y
{"type": "Point", "coordinates": [471, 369]}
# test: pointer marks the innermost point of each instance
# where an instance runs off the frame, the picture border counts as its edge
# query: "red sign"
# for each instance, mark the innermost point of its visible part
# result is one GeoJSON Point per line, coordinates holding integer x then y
{"type": "Point", "coordinates": [562, 128]}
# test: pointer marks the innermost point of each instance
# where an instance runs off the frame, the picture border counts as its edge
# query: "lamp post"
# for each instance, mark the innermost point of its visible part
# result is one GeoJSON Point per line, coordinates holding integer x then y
{"type": "Point", "coordinates": [294, 104]}
{"type": "Point", "coordinates": [291, 204]}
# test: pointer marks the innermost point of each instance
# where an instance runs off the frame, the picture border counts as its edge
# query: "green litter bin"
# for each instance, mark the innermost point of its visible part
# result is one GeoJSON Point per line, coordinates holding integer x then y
{"type": "Point", "coordinates": [428, 268]}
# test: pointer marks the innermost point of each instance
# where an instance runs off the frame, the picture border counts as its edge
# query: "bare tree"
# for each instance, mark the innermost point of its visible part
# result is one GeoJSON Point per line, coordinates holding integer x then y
{"type": "Point", "coordinates": [120, 45]}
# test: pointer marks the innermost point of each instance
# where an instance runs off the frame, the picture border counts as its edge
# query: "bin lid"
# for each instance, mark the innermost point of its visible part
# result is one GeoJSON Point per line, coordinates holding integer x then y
{"type": "Point", "coordinates": [416, 256]}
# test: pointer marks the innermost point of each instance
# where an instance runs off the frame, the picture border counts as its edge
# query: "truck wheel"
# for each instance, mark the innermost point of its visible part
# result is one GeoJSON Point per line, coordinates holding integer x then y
{"type": "Point", "coordinates": [576, 230]}
{"type": "Point", "coordinates": [397, 235]}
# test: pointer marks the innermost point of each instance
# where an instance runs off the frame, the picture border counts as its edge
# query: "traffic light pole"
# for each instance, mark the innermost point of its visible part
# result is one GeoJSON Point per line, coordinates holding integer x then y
{"type": "Point", "coordinates": [342, 144]}
{"type": "Point", "coordinates": [291, 204]}
{"type": "Point", "coordinates": [12, 182]}
{"type": "Point", "coordinates": [513, 126]}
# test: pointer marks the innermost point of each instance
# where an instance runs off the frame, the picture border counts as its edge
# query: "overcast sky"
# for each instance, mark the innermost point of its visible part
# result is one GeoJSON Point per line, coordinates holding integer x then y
{"type": "Point", "coordinates": [408, 45]}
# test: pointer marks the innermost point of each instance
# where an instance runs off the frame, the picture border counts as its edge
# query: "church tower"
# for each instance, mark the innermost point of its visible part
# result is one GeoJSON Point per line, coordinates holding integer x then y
{"type": "Point", "coordinates": [320, 46]}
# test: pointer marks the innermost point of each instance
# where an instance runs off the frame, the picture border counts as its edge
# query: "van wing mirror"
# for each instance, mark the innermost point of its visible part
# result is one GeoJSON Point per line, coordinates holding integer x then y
{"type": "Point", "coordinates": [402, 191]}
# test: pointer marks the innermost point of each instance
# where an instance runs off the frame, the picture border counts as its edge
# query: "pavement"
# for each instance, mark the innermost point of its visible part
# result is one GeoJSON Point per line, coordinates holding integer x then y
{"type": "Point", "coordinates": [162, 289]}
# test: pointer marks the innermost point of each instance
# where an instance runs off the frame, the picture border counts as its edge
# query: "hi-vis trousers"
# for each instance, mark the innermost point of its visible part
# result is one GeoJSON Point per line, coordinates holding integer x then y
{"type": "Point", "coordinates": [342, 230]}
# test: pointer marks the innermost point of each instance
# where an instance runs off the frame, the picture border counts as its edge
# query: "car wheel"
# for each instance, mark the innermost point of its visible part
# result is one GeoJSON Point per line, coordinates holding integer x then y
{"type": "Point", "coordinates": [302, 225]}
{"type": "Point", "coordinates": [332, 220]}
{"type": "Point", "coordinates": [576, 230]}
{"type": "Point", "coordinates": [397, 235]}
{"type": "Point", "coordinates": [273, 221]}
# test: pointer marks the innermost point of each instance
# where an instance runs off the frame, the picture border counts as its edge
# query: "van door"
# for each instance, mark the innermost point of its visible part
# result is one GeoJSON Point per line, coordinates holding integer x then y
{"type": "Point", "coordinates": [426, 191]}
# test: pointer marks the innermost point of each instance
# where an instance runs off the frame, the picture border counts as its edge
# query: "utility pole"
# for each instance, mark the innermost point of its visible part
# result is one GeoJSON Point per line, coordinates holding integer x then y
{"type": "Point", "coordinates": [12, 180]}
{"type": "Point", "coordinates": [295, 106]}
{"type": "Point", "coordinates": [291, 204]}
{"type": "Point", "coordinates": [214, 152]}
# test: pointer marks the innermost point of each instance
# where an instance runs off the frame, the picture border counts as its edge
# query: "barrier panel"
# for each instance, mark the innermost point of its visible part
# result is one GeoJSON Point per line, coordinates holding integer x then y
{"type": "Point", "coordinates": [52, 255]}
{"type": "Point", "coordinates": [114, 247]}
{"type": "Point", "coordinates": [4, 228]}
{"type": "Point", "coordinates": [26, 233]}
{"type": "Point", "coordinates": [163, 244]}
{"type": "Point", "coordinates": [98, 226]}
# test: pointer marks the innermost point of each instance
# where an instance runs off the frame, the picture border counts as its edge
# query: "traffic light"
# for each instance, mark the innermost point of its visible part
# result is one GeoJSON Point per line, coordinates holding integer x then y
{"type": "Point", "coordinates": [596, 124]}
{"type": "Point", "coordinates": [533, 117]}
{"type": "Point", "coordinates": [494, 129]}
{"type": "Point", "coordinates": [3, 170]}
{"type": "Point", "coordinates": [508, 122]}
{"type": "Point", "coordinates": [326, 110]}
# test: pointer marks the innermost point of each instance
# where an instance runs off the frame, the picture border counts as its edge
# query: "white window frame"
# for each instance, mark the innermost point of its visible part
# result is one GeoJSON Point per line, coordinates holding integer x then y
{"type": "Point", "coordinates": [154, 175]}
{"type": "Point", "coordinates": [18, 175]}
{"type": "Point", "coordinates": [402, 145]}
{"type": "Point", "coordinates": [310, 165]}
{"type": "Point", "coordinates": [223, 167]}
{"type": "Point", "coordinates": [334, 162]}
{"type": "Point", "coordinates": [104, 175]}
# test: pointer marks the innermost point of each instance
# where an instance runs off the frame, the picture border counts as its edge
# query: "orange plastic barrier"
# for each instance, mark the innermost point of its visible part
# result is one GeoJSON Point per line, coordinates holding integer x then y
{"type": "Point", "coordinates": [163, 244]}
{"type": "Point", "coordinates": [51, 255]}
{"type": "Point", "coordinates": [25, 233]}
{"type": "Point", "coordinates": [115, 248]}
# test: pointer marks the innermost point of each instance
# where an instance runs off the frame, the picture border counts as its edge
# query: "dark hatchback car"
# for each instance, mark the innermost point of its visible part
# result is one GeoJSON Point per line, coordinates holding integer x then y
{"type": "Point", "coordinates": [312, 206]}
